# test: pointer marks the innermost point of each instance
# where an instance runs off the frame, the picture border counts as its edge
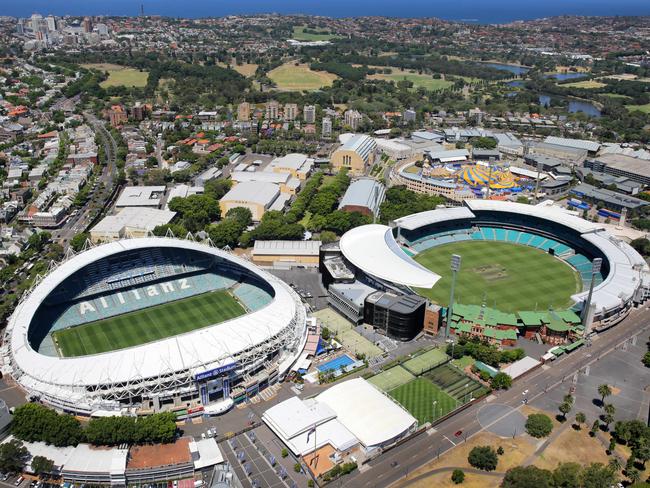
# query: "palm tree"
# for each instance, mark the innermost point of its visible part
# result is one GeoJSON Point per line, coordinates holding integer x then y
{"type": "Point", "coordinates": [568, 399]}
{"type": "Point", "coordinates": [565, 408]}
{"type": "Point", "coordinates": [581, 418]}
{"type": "Point", "coordinates": [643, 454]}
{"type": "Point", "coordinates": [633, 474]}
{"type": "Point", "coordinates": [604, 391]}
{"type": "Point", "coordinates": [615, 464]}
{"type": "Point", "coordinates": [610, 409]}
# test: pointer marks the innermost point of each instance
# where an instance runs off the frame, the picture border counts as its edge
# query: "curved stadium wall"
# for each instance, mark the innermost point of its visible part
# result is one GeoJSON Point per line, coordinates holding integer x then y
{"type": "Point", "coordinates": [233, 358]}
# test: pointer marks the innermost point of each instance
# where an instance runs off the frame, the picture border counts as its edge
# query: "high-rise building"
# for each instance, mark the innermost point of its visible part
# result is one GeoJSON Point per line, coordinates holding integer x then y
{"type": "Point", "coordinates": [326, 129]}
{"type": "Point", "coordinates": [309, 114]}
{"type": "Point", "coordinates": [35, 22]}
{"type": "Point", "coordinates": [87, 25]}
{"type": "Point", "coordinates": [102, 29]}
{"type": "Point", "coordinates": [138, 111]}
{"type": "Point", "coordinates": [244, 112]}
{"type": "Point", "coordinates": [51, 23]}
{"type": "Point", "coordinates": [353, 118]}
{"type": "Point", "coordinates": [290, 111]}
{"type": "Point", "coordinates": [272, 110]}
{"type": "Point", "coordinates": [117, 115]}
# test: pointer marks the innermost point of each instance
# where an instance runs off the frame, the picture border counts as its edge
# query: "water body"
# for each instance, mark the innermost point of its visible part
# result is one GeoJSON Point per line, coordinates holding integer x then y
{"type": "Point", "coordinates": [515, 70]}
{"type": "Point", "coordinates": [516, 83]}
{"type": "Point", "coordinates": [475, 11]}
{"type": "Point", "coordinates": [565, 76]}
{"type": "Point", "coordinates": [574, 106]}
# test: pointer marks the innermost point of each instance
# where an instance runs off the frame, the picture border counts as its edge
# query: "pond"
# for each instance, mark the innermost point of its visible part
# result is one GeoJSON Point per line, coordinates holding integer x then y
{"type": "Point", "coordinates": [515, 70]}
{"type": "Point", "coordinates": [565, 76]}
{"type": "Point", "coordinates": [516, 83]}
{"type": "Point", "coordinates": [574, 106]}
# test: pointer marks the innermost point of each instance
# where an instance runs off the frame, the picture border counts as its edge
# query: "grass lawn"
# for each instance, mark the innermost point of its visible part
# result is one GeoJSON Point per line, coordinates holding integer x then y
{"type": "Point", "coordinates": [299, 34]}
{"type": "Point", "coordinates": [425, 361]}
{"type": "Point", "coordinates": [463, 362]}
{"type": "Point", "coordinates": [148, 325]}
{"type": "Point", "coordinates": [418, 396]}
{"type": "Point", "coordinates": [292, 77]}
{"type": "Point", "coordinates": [585, 84]}
{"type": "Point", "coordinates": [391, 378]}
{"type": "Point", "coordinates": [643, 108]}
{"type": "Point", "coordinates": [120, 75]}
{"type": "Point", "coordinates": [247, 69]}
{"type": "Point", "coordinates": [510, 277]}
{"type": "Point", "coordinates": [419, 80]}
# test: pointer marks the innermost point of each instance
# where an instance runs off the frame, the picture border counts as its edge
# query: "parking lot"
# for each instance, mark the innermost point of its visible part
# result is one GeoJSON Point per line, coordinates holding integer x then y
{"type": "Point", "coordinates": [306, 281]}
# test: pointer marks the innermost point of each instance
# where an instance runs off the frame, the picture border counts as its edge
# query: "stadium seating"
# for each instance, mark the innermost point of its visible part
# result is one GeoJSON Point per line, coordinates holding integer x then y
{"type": "Point", "coordinates": [251, 296]}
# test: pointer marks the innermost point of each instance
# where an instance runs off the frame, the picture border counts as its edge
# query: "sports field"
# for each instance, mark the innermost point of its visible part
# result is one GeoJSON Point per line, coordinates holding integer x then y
{"type": "Point", "coordinates": [147, 325]}
{"type": "Point", "coordinates": [120, 75]}
{"type": "Point", "coordinates": [419, 80]}
{"type": "Point", "coordinates": [299, 34]}
{"type": "Point", "coordinates": [292, 77]}
{"type": "Point", "coordinates": [510, 277]}
{"type": "Point", "coordinates": [391, 378]}
{"type": "Point", "coordinates": [418, 398]}
{"type": "Point", "coordinates": [426, 361]}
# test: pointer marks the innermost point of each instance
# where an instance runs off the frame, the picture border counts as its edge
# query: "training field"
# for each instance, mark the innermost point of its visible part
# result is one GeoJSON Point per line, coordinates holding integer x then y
{"type": "Point", "coordinates": [511, 277]}
{"type": "Point", "coordinates": [147, 325]}
{"type": "Point", "coordinates": [391, 378]}
{"type": "Point", "coordinates": [290, 77]}
{"type": "Point", "coordinates": [425, 362]}
{"type": "Point", "coordinates": [418, 396]}
{"type": "Point", "coordinates": [120, 75]}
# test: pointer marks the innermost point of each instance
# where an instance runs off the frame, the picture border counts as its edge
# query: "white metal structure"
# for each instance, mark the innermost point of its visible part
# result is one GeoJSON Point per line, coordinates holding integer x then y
{"type": "Point", "coordinates": [372, 249]}
{"type": "Point", "coordinates": [111, 380]}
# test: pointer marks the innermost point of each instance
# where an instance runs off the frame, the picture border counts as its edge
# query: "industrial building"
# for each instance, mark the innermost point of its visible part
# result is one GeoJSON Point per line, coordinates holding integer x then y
{"type": "Point", "coordinates": [364, 195]}
{"type": "Point", "coordinates": [610, 199]}
{"type": "Point", "coordinates": [286, 253]}
{"type": "Point", "coordinates": [356, 154]}
{"type": "Point", "coordinates": [297, 165]}
{"type": "Point", "coordinates": [621, 165]}
{"type": "Point", "coordinates": [257, 196]}
{"type": "Point", "coordinates": [141, 196]}
{"type": "Point", "coordinates": [129, 222]}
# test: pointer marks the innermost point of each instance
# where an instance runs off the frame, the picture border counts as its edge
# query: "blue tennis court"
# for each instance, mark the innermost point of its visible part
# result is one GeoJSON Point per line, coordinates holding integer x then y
{"type": "Point", "coordinates": [335, 364]}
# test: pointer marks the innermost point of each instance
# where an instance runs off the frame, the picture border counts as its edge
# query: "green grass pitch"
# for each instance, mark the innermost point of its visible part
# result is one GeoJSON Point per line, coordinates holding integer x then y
{"type": "Point", "coordinates": [425, 361]}
{"type": "Point", "coordinates": [512, 277]}
{"type": "Point", "coordinates": [418, 396]}
{"type": "Point", "coordinates": [391, 378]}
{"type": "Point", "coordinates": [148, 325]}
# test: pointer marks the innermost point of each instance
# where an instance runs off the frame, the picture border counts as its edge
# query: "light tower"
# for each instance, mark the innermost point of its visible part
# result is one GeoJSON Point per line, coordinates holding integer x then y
{"type": "Point", "coordinates": [587, 319]}
{"type": "Point", "coordinates": [455, 268]}
{"type": "Point", "coordinates": [540, 164]}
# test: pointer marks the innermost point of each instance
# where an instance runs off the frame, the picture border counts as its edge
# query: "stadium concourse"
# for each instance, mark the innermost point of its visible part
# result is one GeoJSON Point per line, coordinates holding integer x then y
{"type": "Point", "coordinates": [152, 324]}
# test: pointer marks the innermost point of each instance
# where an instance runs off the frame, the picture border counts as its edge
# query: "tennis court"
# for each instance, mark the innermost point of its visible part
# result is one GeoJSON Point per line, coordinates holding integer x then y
{"type": "Point", "coordinates": [426, 361]}
{"type": "Point", "coordinates": [391, 378]}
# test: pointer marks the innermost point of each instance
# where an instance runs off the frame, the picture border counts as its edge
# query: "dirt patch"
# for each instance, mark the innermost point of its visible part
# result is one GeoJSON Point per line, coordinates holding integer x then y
{"type": "Point", "coordinates": [572, 446]}
{"type": "Point", "coordinates": [491, 272]}
{"type": "Point", "coordinates": [443, 480]}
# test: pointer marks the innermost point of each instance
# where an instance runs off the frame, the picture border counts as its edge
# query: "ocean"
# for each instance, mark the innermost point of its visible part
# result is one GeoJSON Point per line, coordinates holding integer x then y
{"type": "Point", "coordinates": [479, 11]}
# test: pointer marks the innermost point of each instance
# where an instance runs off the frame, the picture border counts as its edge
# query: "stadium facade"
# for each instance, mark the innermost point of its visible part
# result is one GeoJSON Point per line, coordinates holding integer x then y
{"type": "Point", "coordinates": [211, 366]}
{"type": "Point", "coordinates": [379, 257]}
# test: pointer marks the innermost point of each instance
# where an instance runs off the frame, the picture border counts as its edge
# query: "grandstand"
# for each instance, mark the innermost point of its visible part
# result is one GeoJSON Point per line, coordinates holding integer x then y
{"type": "Point", "coordinates": [154, 324]}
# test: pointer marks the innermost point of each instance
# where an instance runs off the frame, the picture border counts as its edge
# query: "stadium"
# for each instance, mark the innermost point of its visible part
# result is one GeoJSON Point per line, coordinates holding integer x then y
{"type": "Point", "coordinates": [153, 324]}
{"type": "Point", "coordinates": [515, 258]}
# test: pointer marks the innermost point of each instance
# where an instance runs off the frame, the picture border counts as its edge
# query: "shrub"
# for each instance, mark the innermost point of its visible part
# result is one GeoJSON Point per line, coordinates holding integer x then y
{"type": "Point", "coordinates": [457, 476]}
{"type": "Point", "coordinates": [297, 468]}
{"type": "Point", "coordinates": [539, 425]}
{"type": "Point", "coordinates": [483, 457]}
{"type": "Point", "coordinates": [284, 453]}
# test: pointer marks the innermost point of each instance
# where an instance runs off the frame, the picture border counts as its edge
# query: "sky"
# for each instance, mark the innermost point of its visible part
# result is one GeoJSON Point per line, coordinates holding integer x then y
{"type": "Point", "coordinates": [484, 11]}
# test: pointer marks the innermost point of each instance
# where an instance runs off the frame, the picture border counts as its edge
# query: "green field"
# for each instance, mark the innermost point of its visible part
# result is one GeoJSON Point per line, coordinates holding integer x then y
{"type": "Point", "coordinates": [418, 396]}
{"type": "Point", "coordinates": [426, 361]}
{"type": "Point", "coordinates": [292, 77]}
{"type": "Point", "coordinates": [147, 325]}
{"type": "Point", "coordinates": [391, 378]}
{"type": "Point", "coordinates": [419, 81]}
{"type": "Point", "coordinates": [299, 34]}
{"type": "Point", "coordinates": [120, 75]}
{"type": "Point", "coordinates": [643, 108]}
{"type": "Point", "coordinates": [510, 277]}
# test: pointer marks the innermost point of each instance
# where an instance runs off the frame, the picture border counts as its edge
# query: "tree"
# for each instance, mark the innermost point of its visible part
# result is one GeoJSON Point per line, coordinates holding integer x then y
{"type": "Point", "coordinates": [633, 474]}
{"type": "Point", "coordinates": [594, 428]}
{"type": "Point", "coordinates": [33, 422]}
{"type": "Point", "coordinates": [13, 456]}
{"type": "Point", "coordinates": [641, 245]}
{"type": "Point", "coordinates": [604, 391]}
{"type": "Point", "coordinates": [608, 417]}
{"type": "Point", "coordinates": [328, 236]}
{"type": "Point", "coordinates": [646, 359]}
{"type": "Point", "coordinates": [565, 408]}
{"type": "Point", "coordinates": [483, 457]}
{"type": "Point", "coordinates": [526, 477]}
{"type": "Point", "coordinates": [581, 418]}
{"type": "Point", "coordinates": [501, 381]}
{"type": "Point", "coordinates": [597, 475]}
{"type": "Point", "coordinates": [42, 466]}
{"type": "Point", "coordinates": [197, 211]}
{"type": "Point", "coordinates": [77, 242]}
{"type": "Point", "coordinates": [284, 453]}
{"type": "Point", "coordinates": [614, 464]}
{"type": "Point", "coordinates": [567, 475]}
{"type": "Point", "coordinates": [539, 425]}
{"type": "Point", "coordinates": [643, 454]}
{"type": "Point", "coordinates": [500, 451]}
{"type": "Point", "coordinates": [457, 476]}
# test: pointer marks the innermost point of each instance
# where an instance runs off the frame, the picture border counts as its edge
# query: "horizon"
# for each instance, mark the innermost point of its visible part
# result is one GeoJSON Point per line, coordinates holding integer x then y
{"type": "Point", "coordinates": [471, 11]}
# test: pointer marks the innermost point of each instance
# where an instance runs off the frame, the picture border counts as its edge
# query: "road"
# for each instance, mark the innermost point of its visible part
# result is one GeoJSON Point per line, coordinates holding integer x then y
{"type": "Point", "coordinates": [426, 447]}
{"type": "Point", "coordinates": [99, 197]}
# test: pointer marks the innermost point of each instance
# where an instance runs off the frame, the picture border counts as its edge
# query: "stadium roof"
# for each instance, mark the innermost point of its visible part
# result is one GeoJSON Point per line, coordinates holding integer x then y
{"type": "Point", "coordinates": [554, 214]}
{"type": "Point", "coordinates": [195, 351]}
{"type": "Point", "coordinates": [590, 146]}
{"type": "Point", "coordinates": [372, 248]}
{"type": "Point", "coordinates": [415, 221]}
{"type": "Point", "coordinates": [366, 412]}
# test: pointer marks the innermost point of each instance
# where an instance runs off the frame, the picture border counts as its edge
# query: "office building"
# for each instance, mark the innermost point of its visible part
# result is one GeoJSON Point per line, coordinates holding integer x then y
{"type": "Point", "coordinates": [353, 119]}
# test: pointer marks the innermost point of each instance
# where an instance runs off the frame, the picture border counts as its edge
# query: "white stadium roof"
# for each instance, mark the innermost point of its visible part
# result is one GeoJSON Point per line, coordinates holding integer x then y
{"type": "Point", "coordinates": [372, 248]}
{"type": "Point", "coordinates": [192, 352]}
{"type": "Point", "coordinates": [415, 221]}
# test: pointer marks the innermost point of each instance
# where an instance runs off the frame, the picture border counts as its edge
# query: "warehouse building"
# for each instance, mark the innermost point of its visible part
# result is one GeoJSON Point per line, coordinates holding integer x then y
{"type": "Point", "coordinates": [621, 165]}
{"type": "Point", "coordinates": [610, 199]}
{"type": "Point", "coordinates": [364, 195]}
{"type": "Point", "coordinates": [568, 155]}
{"type": "Point", "coordinates": [257, 196]}
{"type": "Point", "coordinates": [129, 222]}
{"type": "Point", "coordinates": [355, 155]}
{"type": "Point", "coordinates": [286, 253]}
{"type": "Point", "coordinates": [591, 147]}
{"type": "Point", "coordinates": [288, 184]}
{"type": "Point", "coordinates": [298, 165]}
{"type": "Point", "coordinates": [141, 196]}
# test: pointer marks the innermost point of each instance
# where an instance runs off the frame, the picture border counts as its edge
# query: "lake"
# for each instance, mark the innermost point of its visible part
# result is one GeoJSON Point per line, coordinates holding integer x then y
{"type": "Point", "coordinates": [516, 83]}
{"type": "Point", "coordinates": [565, 76]}
{"type": "Point", "coordinates": [574, 106]}
{"type": "Point", "coordinates": [515, 70]}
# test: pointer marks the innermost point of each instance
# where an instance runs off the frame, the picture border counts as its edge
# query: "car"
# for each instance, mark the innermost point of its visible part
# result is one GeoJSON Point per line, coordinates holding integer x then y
{"type": "Point", "coordinates": [394, 464]}
{"type": "Point", "coordinates": [458, 433]}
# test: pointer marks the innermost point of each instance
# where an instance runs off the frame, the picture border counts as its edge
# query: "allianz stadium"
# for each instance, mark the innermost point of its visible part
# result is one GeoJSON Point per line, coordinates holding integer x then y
{"type": "Point", "coordinates": [152, 324]}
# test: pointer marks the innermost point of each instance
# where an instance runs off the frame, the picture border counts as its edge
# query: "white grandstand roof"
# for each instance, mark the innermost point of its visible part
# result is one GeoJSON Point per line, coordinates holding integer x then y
{"type": "Point", "coordinates": [195, 351]}
{"type": "Point", "coordinates": [369, 414]}
{"type": "Point", "coordinates": [372, 248]}
{"type": "Point", "coordinates": [415, 221]}
{"type": "Point", "coordinates": [627, 268]}
{"type": "Point", "coordinates": [554, 214]}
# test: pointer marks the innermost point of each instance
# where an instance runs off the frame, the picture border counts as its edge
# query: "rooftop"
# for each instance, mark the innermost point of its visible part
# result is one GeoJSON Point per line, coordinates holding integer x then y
{"type": "Point", "coordinates": [140, 196]}
{"type": "Point", "coordinates": [151, 456]}
{"type": "Point", "coordinates": [364, 192]}
{"type": "Point", "coordinates": [626, 163]}
{"type": "Point", "coordinates": [288, 248]}
{"type": "Point", "coordinates": [259, 192]}
{"type": "Point", "coordinates": [134, 217]}
{"type": "Point", "coordinates": [590, 146]}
